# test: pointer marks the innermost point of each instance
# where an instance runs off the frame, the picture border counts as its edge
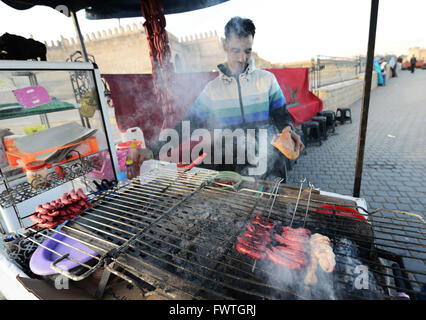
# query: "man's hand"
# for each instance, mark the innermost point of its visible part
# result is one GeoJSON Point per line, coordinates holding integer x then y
{"type": "Point", "coordinates": [298, 144]}
{"type": "Point", "coordinates": [144, 154]}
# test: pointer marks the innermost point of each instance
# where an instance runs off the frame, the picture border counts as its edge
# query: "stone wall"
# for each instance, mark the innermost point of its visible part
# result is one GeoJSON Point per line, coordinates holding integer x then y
{"type": "Point", "coordinates": [125, 50]}
{"type": "Point", "coordinates": [119, 51]}
{"type": "Point", "coordinates": [345, 93]}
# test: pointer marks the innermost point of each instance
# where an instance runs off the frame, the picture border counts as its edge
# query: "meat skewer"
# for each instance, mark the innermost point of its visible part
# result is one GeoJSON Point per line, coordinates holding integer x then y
{"type": "Point", "coordinates": [302, 181]}
{"type": "Point", "coordinates": [267, 221]}
{"type": "Point", "coordinates": [55, 212]}
{"type": "Point", "coordinates": [311, 186]}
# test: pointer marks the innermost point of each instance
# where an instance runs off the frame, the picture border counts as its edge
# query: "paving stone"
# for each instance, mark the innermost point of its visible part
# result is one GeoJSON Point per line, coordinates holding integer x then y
{"type": "Point", "coordinates": [403, 207]}
{"type": "Point", "coordinates": [417, 207]}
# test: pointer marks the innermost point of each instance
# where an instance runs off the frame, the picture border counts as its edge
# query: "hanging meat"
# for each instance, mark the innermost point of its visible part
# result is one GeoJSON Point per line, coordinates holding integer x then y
{"type": "Point", "coordinates": [159, 51]}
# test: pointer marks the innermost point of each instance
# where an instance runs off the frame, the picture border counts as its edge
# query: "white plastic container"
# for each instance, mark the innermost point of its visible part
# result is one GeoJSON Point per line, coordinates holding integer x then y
{"type": "Point", "coordinates": [134, 133]}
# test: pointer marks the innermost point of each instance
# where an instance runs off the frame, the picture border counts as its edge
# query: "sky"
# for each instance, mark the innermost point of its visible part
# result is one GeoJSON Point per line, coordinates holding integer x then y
{"type": "Point", "coordinates": [286, 30]}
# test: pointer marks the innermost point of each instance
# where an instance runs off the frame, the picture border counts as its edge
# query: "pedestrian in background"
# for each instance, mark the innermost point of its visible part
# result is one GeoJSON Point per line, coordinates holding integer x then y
{"type": "Point", "coordinates": [398, 65]}
{"type": "Point", "coordinates": [383, 65]}
{"type": "Point", "coordinates": [413, 62]}
{"type": "Point", "coordinates": [392, 64]}
{"type": "Point", "coordinates": [378, 71]}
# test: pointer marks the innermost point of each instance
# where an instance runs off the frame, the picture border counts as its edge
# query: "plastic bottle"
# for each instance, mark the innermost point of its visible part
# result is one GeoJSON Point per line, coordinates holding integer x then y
{"type": "Point", "coordinates": [135, 155]}
{"type": "Point", "coordinates": [130, 172]}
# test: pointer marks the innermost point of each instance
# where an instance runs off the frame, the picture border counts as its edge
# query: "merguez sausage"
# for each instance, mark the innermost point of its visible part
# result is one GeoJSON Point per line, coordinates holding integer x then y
{"type": "Point", "coordinates": [255, 254]}
{"type": "Point", "coordinates": [65, 200]}
{"type": "Point", "coordinates": [292, 244]}
{"type": "Point", "coordinates": [251, 244]}
{"type": "Point", "coordinates": [295, 237]}
{"type": "Point", "coordinates": [53, 213]}
{"type": "Point", "coordinates": [257, 237]}
{"type": "Point", "coordinates": [301, 231]}
{"type": "Point", "coordinates": [281, 260]}
{"type": "Point", "coordinates": [291, 254]}
{"type": "Point", "coordinates": [259, 231]}
{"type": "Point", "coordinates": [41, 210]}
{"type": "Point", "coordinates": [47, 206]}
{"type": "Point", "coordinates": [74, 196]}
{"type": "Point", "coordinates": [81, 194]}
{"type": "Point", "coordinates": [263, 222]}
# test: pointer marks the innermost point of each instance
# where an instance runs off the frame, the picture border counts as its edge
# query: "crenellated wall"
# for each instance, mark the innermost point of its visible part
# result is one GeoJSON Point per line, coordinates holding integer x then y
{"type": "Point", "coordinates": [125, 50]}
{"type": "Point", "coordinates": [121, 50]}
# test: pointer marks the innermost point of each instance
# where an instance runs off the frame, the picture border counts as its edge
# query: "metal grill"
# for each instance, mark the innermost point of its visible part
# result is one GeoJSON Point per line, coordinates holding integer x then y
{"type": "Point", "coordinates": [180, 236]}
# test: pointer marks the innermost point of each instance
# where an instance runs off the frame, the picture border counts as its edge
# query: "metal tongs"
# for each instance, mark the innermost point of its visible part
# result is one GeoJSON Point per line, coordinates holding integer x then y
{"type": "Point", "coordinates": [311, 187]}
{"type": "Point", "coordinates": [302, 181]}
{"type": "Point", "coordinates": [185, 170]}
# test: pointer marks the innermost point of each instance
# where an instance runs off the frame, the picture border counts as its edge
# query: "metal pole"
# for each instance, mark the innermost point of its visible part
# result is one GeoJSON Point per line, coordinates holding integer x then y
{"type": "Point", "coordinates": [366, 97]}
{"type": "Point", "coordinates": [83, 49]}
{"type": "Point", "coordinates": [80, 36]}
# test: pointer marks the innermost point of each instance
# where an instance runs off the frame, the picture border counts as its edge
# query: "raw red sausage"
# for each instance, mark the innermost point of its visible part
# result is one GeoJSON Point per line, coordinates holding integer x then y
{"type": "Point", "coordinates": [265, 222]}
{"type": "Point", "coordinates": [265, 225]}
{"type": "Point", "coordinates": [46, 217]}
{"type": "Point", "coordinates": [74, 209]}
{"type": "Point", "coordinates": [53, 213]}
{"type": "Point", "coordinates": [65, 200]}
{"type": "Point", "coordinates": [251, 235]}
{"type": "Point", "coordinates": [291, 254]}
{"type": "Point", "coordinates": [281, 260]}
{"type": "Point", "coordinates": [74, 196]}
{"type": "Point", "coordinates": [41, 210]}
{"type": "Point", "coordinates": [37, 219]}
{"type": "Point", "coordinates": [301, 238]}
{"type": "Point", "coordinates": [81, 194]}
{"type": "Point", "coordinates": [255, 254]}
{"type": "Point", "coordinates": [59, 203]}
{"type": "Point", "coordinates": [298, 230]}
{"type": "Point", "coordinates": [47, 206]}
{"type": "Point", "coordinates": [263, 219]}
{"type": "Point", "coordinates": [292, 244]}
{"type": "Point", "coordinates": [259, 231]}
{"type": "Point", "coordinates": [251, 244]}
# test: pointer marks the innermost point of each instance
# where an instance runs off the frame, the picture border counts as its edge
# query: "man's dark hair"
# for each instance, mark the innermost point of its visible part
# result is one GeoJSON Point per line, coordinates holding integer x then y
{"type": "Point", "coordinates": [240, 26]}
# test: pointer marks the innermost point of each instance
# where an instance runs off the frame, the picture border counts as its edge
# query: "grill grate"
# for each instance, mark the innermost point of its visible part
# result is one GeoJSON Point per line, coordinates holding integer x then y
{"type": "Point", "coordinates": [183, 241]}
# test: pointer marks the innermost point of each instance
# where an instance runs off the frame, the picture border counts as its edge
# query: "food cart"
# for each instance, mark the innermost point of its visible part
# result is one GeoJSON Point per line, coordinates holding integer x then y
{"type": "Point", "coordinates": [173, 233]}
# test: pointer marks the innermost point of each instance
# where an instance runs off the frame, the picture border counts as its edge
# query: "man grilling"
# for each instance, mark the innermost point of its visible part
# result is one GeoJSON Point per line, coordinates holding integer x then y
{"type": "Point", "coordinates": [242, 99]}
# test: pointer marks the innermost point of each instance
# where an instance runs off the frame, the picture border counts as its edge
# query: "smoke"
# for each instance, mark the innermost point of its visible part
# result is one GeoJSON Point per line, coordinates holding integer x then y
{"type": "Point", "coordinates": [351, 278]}
{"type": "Point", "coordinates": [293, 282]}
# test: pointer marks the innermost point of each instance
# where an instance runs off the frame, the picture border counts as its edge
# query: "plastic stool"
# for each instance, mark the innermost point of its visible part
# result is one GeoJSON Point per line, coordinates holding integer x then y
{"type": "Point", "coordinates": [322, 125]}
{"type": "Point", "coordinates": [311, 132]}
{"type": "Point", "coordinates": [331, 119]}
{"type": "Point", "coordinates": [343, 115]}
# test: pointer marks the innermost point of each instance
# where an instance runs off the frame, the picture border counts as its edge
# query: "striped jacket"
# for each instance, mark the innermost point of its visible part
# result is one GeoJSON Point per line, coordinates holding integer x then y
{"type": "Point", "coordinates": [252, 97]}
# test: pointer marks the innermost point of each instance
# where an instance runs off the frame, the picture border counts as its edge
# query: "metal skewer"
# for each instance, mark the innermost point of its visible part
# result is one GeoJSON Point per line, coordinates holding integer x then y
{"type": "Point", "coordinates": [302, 181]}
{"type": "Point", "coordinates": [274, 194]}
{"type": "Point", "coordinates": [311, 186]}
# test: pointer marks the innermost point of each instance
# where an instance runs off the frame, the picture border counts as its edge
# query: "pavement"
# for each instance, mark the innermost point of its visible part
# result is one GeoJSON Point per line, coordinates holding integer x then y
{"type": "Point", "coordinates": [394, 171]}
